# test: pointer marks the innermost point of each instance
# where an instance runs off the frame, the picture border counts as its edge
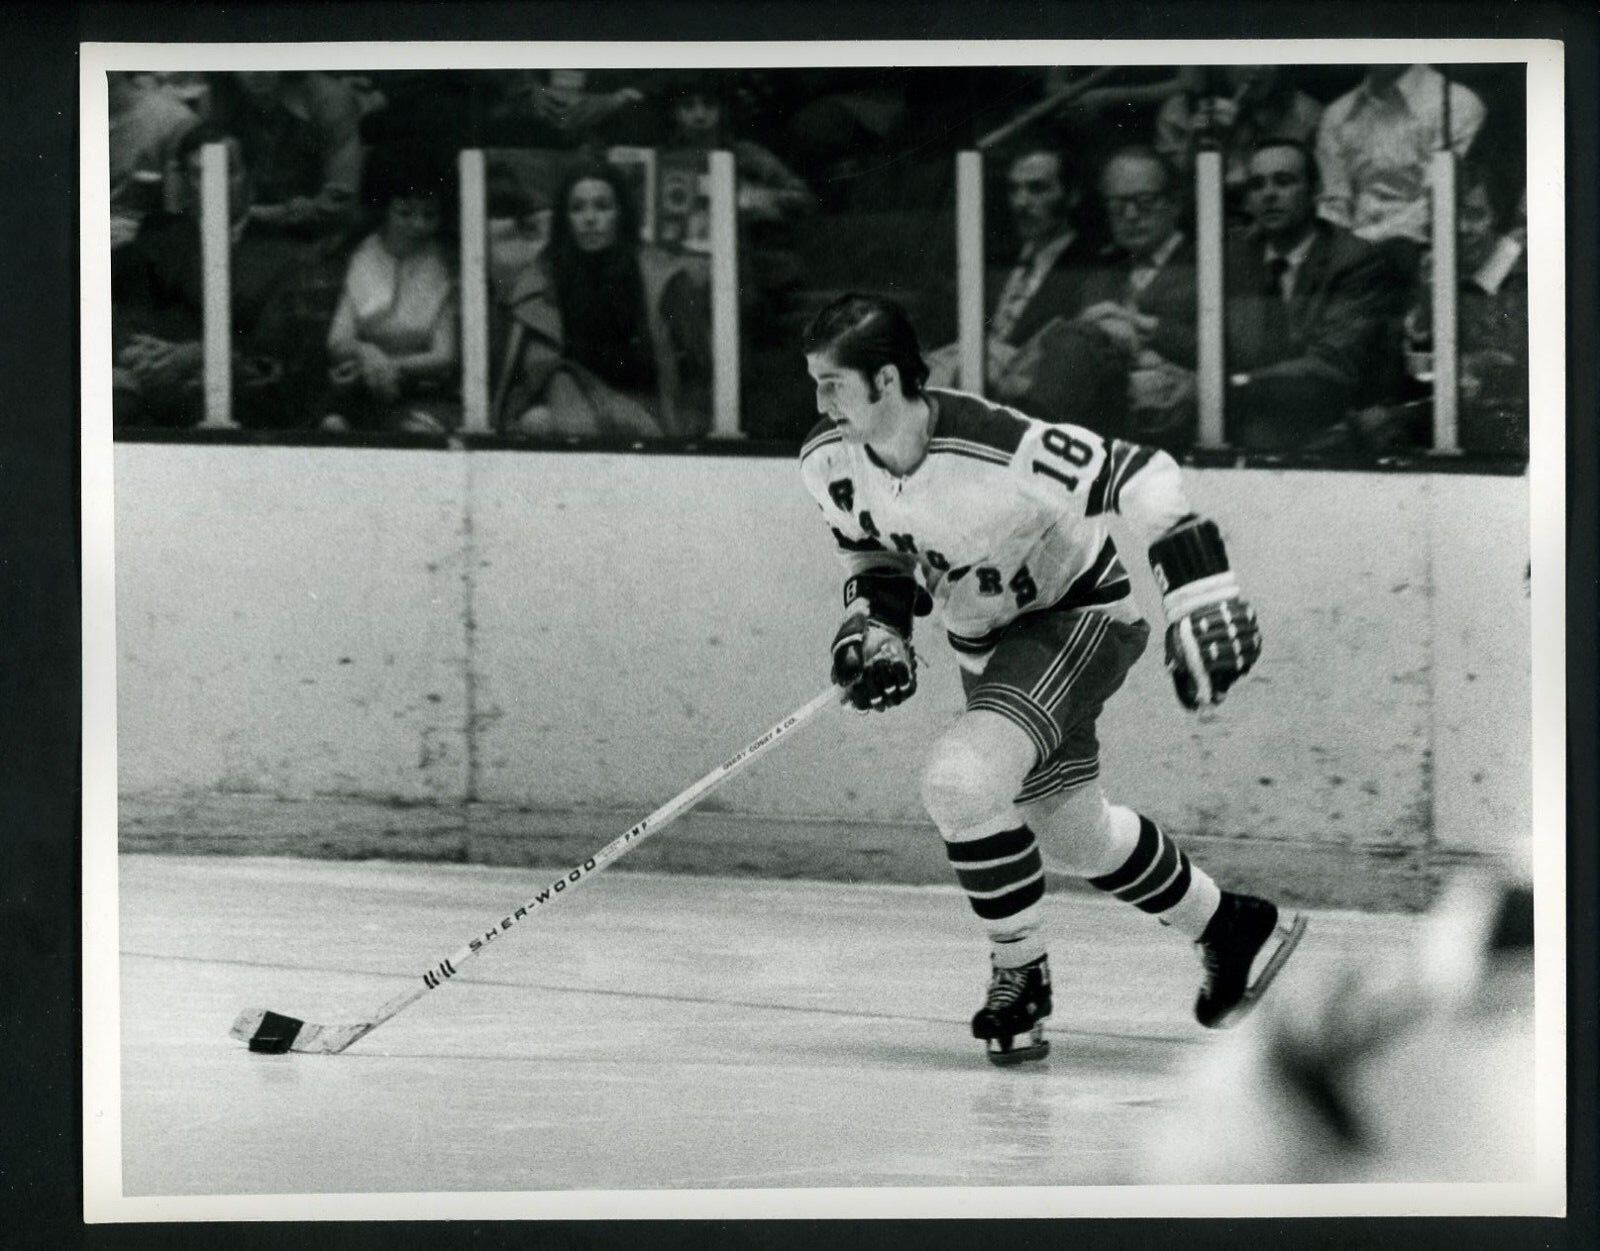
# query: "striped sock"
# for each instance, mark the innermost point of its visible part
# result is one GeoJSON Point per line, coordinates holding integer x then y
{"type": "Point", "coordinates": [1158, 878]}
{"type": "Point", "coordinates": [1003, 876]}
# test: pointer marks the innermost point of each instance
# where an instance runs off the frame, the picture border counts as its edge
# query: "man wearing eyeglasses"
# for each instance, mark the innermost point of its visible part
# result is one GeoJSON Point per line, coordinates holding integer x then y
{"type": "Point", "coordinates": [1137, 328]}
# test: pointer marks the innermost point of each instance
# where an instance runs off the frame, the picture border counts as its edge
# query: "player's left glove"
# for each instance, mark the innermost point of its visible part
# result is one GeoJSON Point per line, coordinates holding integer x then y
{"type": "Point", "coordinates": [1212, 636]}
{"type": "Point", "coordinates": [872, 655]}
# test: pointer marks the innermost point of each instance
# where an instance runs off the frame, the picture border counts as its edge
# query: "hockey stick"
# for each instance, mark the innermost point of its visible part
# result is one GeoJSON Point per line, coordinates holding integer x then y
{"type": "Point", "coordinates": [275, 1033]}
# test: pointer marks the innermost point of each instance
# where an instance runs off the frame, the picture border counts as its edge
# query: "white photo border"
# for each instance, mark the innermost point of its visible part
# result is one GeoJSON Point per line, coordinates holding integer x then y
{"type": "Point", "coordinates": [1546, 476]}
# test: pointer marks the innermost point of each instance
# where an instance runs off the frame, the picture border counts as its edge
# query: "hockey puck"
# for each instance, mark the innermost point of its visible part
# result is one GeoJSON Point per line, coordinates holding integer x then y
{"type": "Point", "coordinates": [275, 1034]}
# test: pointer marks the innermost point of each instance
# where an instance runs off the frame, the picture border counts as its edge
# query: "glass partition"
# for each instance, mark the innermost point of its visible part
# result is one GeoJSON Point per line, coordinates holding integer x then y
{"type": "Point", "coordinates": [1216, 259]}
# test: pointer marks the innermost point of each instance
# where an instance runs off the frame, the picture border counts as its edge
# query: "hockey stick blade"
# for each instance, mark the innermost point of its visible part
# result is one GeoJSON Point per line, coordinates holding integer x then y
{"type": "Point", "coordinates": [272, 1033]}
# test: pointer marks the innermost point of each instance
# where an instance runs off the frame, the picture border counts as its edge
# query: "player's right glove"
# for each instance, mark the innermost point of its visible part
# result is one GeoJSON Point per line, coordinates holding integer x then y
{"type": "Point", "coordinates": [872, 656]}
{"type": "Point", "coordinates": [1212, 635]}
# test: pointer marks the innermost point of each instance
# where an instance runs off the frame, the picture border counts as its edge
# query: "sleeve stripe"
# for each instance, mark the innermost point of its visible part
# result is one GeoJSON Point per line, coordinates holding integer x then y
{"type": "Point", "coordinates": [1130, 458]}
{"type": "Point", "coordinates": [1096, 503]}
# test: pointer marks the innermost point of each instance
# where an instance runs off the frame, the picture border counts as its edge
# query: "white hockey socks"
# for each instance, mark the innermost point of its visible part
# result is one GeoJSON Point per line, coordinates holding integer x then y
{"type": "Point", "coordinates": [1003, 876]}
{"type": "Point", "coordinates": [1156, 876]}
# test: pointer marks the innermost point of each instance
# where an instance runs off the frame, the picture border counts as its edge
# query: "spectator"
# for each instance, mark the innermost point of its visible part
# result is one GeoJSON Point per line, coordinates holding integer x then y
{"type": "Point", "coordinates": [768, 189]}
{"type": "Point", "coordinates": [568, 109]}
{"type": "Point", "coordinates": [840, 122]}
{"type": "Point", "coordinates": [435, 109]}
{"type": "Point", "coordinates": [157, 301]}
{"type": "Point", "coordinates": [1310, 312]}
{"type": "Point", "coordinates": [1491, 321]}
{"type": "Point", "coordinates": [1236, 107]}
{"type": "Point", "coordinates": [300, 133]}
{"type": "Point", "coordinates": [394, 342]}
{"type": "Point", "coordinates": [608, 336]}
{"type": "Point", "coordinates": [1125, 365]}
{"type": "Point", "coordinates": [1044, 286]}
{"type": "Point", "coordinates": [147, 125]}
{"type": "Point", "coordinates": [1374, 145]}
{"type": "Point", "coordinates": [770, 197]}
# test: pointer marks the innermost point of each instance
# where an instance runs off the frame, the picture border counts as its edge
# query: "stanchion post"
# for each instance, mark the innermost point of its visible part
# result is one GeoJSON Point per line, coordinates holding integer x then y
{"type": "Point", "coordinates": [216, 304]}
{"type": "Point", "coordinates": [1209, 294]}
{"type": "Point", "coordinates": [1446, 358]}
{"type": "Point", "coordinates": [724, 296]}
{"type": "Point", "coordinates": [474, 294]}
{"type": "Point", "coordinates": [969, 269]}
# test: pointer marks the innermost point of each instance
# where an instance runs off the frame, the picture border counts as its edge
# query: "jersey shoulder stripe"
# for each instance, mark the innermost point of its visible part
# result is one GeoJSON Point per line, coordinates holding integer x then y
{"type": "Point", "coordinates": [822, 434]}
{"type": "Point", "coordinates": [970, 419]}
{"type": "Point", "coordinates": [965, 447]}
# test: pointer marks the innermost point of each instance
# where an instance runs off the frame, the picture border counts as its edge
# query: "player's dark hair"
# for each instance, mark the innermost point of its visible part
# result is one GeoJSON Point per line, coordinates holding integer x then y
{"type": "Point", "coordinates": [865, 333]}
{"type": "Point", "coordinates": [1308, 158]}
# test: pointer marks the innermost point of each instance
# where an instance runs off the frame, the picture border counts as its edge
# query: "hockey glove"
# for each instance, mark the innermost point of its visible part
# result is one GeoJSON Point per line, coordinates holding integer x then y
{"type": "Point", "coordinates": [1212, 636]}
{"type": "Point", "coordinates": [872, 655]}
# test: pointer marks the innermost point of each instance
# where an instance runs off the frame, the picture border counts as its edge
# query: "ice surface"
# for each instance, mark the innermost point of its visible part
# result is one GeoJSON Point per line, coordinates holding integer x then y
{"type": "Point", "coordinates": [647, 1032]}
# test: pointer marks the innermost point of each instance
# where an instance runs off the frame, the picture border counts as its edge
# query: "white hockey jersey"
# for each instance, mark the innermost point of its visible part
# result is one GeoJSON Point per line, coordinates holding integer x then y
{"type": "Point", "coordinates": [1004, 516]}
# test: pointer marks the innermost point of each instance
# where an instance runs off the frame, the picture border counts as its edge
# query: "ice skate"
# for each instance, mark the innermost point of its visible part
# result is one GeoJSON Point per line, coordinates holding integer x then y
{"type": "Point", "coordinates": [1243, 928]}
{"type": "Point", "coordinates": [1012, 1017]}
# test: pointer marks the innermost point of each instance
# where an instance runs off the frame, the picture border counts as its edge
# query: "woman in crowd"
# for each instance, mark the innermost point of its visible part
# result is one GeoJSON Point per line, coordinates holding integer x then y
{"type": "Point", "coordinates": [609, 337]}
{"type": "Point", "coordinates": [394, 343]}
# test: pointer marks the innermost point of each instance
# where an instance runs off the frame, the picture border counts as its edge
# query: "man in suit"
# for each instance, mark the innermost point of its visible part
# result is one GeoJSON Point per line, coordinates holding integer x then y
{"type": "Point", "coordinates": [1042, 286]}
{"type": "Point", "coordinates": [157, 310]}
{"type": "Point", "coordinates": [1124, 365]}
{"type": "Point", "coordinates": [1311, 315]}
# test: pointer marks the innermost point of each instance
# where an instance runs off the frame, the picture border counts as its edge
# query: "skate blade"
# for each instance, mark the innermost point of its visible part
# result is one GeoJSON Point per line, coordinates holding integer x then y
{"type": "Point", "coordinates": [1289, 932]}
{"type": "Point", "coordinates": [1034, 1047]}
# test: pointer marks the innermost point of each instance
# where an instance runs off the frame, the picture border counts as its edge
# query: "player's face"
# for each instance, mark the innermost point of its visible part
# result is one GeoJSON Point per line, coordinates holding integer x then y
{"type": "Point", "coordinates": [1142, 208]}
{"type": "Point", "coordinates": [1038, 200]}
{"type": "Point", "coordinates": [592, 210]}
{"type": "Point", "coordinates": [847, 396]}
{"type": "Point", "coordinates": [1278, 193]}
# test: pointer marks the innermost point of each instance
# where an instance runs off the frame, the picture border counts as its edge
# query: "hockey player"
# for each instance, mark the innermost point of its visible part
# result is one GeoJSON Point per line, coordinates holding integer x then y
{"type": "Point", "coordinates": [939, 498]}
